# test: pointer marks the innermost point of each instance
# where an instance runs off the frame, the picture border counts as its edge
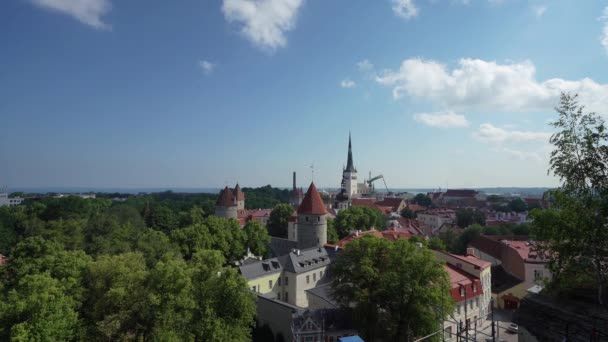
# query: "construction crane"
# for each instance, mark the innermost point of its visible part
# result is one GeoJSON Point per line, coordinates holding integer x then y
{"type": "Point", "coordinates": [372, 179]}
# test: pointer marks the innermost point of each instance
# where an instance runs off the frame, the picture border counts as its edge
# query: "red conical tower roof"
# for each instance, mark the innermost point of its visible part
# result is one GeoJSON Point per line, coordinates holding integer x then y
{"type": "Point", "coordinates": [312, 204]}
{"type": "Point", "coordinates": [226, 198]}
{"type": "Point", "coordinates": [240, 196]}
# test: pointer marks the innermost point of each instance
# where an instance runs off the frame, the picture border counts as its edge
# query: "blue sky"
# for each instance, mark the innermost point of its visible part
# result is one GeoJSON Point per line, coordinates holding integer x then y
{"type": "Point", "coordinates": [203, 93]}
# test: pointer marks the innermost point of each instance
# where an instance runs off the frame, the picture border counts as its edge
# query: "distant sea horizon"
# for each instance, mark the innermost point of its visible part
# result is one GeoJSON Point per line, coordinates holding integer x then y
{"type": "Point", "coordinates": [530, 191]}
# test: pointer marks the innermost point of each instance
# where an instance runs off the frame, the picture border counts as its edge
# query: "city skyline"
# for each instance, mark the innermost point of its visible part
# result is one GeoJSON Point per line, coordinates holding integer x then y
{"type": "Point", "coordinates": [139, 94]}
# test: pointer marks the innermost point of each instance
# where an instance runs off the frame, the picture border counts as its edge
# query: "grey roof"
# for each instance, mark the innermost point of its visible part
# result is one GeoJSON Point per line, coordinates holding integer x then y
{"type": "Point", "coordinates": [280, 246]}
{"type": "Point", "coordinates": [304, 260]}
{"type": "Point", "coordinates": [260, 268]}
{"type": "Point", "coordinates": [324, 292]}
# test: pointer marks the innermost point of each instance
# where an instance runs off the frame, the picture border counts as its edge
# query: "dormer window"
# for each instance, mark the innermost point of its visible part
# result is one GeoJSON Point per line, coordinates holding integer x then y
{"type": "Point", "coordinates": [474, 287]}
{"type": "Point", "coordinates": [462, 291]}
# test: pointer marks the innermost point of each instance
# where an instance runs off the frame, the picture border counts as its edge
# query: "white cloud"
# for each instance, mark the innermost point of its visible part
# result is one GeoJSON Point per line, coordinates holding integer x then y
{"type": "Point", "coordinates": [206, 66]}
{"type": "Point", "coordinates": [539, 10]}
{"type": "Point", "coordinates": [443, 119]}
{"type": "Point", "coordinates": [523, 155]}
{"type": "Point", "coordinates": [483, 85]}
{"type": "Point", "coordinates": [347, 83]}
{"type": "Point", "coordinates": [490, 133]}
{"type": "Point", "coordinates": [405, 8]}
{"type": "Point", "coordinates": [365, 65]}
{"type": "Point", "coordinates": [604, 37]}
{"type": "Point", "coordinates": [86, 11]}
{"type": "Point", "coordinates": [264, 22]}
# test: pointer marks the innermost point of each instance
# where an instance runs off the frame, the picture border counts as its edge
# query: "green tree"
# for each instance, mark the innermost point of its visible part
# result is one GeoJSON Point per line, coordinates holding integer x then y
{"type": "Point", "coordinates": [225, 306]}
{"type": "Point", "coordinates": [257, 238]}
{"type": "Point", "coordinates": [422, 200]}
{"type": "Point", "coordinates": [469, 234]}
{"type": "Point", "coordinates": [154, 245]}
{"type": "Point", "coordinates": [575, 229]}
{"type": "Point", "coordinates": [358, 218]}
{"type": "Point", "coordinates": [162, 218]}
{"type": "Point", "coordinates": [408, 213]}
{"type": "Point", "coordinates": [518, 205]}
{"type": "Point", "coordinates": [394, 288]}
{"type": "Point", "coordinates": [278, 220]}
{"type": "Point", "coordinates": [332, 233]}
{"type": "Point", "coordinates": [117, 296]}
{"type": "Point", "coordinates": [437, 244]}
{"type": "Point", "coordinates": [171, 301]}
{"type": "Point", "coordinates": [450, 239]}
{"type": "Point", "coordinates": [38, 310]}
{"type": "Point", "coordinates": [467, 217]}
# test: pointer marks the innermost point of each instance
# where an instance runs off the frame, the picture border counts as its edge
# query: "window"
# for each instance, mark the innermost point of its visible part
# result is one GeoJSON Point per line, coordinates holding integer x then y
{"type": "Point", "coordinates": [314, 277]}
{"type": "Point", "coordinates": [462, 291]}
{"type": "Point", "coordinates": [270, 284]}
{"type": "Point", "coordinates": [459, 308]}
{"type": "Point", "coordinates": [448, 332]}
{"type": "Point", "coordinates": [279, 296]}
{"type": "Point", "coordinates": [279, 281]}
{"type": "Point", "coordinates": [320, 274]}
{"type": "Point", "coordinates": [318, 218]}
{"type": "Point", "coordinates": [286, 281]}
{"type": "Point", "coordinates": [477, 302]}
{"type": "Point", "coordinates": [471, 304]}
{"type": "Point", "coordinates": [286, 297]}
{"type": "Point", "coordinates": [307, 279]}
{"type": "Point", "coordinates": [253, 289]}
{"type": "Point", "coordinates": [538, 274]}
{"type": "Point", "coordinates": [306, 218]}
{"type": "Point", "coordinates": [474, 287]}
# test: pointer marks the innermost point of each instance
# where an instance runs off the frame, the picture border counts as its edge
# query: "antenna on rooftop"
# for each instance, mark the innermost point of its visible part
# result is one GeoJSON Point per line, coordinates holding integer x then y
{"type": "Point", "coordinates": [312, 171]}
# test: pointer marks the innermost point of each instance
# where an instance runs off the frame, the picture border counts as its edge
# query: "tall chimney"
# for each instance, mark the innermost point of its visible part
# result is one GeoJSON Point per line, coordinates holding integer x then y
{"type": "Point", "coordinates": [294, 181]}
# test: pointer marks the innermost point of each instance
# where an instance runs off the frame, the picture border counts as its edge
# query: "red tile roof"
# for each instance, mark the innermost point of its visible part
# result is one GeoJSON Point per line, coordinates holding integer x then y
{"type": "Point", "coordinates": [363, 202]}
{"type": "Point", "coordinates": [473, 260]}
{"type": "Point", "coordinates": [460, 278]}
{"type": "Point", "coordinates": [240, 196]}
{"type": "Point", "coordinates": [226, 198]}
{"type": "Point", "coordinates": [312, 204]}
{"type": "Point", "coordinates": [393, 202]}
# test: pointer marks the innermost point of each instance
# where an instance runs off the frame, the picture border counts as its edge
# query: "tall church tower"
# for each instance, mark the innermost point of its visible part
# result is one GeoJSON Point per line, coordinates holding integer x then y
{"type": "Point", "coordinates": [312, 220]}
{"type": "Point", "coordinates": [349, 174]}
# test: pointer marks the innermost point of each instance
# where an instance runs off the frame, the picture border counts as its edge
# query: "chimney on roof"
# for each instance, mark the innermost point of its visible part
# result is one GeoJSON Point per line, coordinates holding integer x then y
{"type": "Point", "coordinates": [470, 251]}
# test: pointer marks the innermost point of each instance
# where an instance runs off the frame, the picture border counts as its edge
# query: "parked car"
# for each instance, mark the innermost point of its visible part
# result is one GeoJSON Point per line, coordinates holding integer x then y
{"type": "Point", "coordinates": [513, 328]}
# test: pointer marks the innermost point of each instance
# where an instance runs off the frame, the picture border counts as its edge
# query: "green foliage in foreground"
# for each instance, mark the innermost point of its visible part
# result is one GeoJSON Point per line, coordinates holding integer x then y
{"type": "Point", "coordinates": [395, 289]}
{"type": "Point", "coordinates": [100, 273]}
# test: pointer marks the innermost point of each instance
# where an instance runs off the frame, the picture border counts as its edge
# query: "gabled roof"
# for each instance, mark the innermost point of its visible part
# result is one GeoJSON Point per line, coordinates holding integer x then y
{"type": "Point", "coordinates": [312, 204]}
{"type": "Point", "coordinates": [260, 268]}
{"type": "Point", "coordinates": [240, 196]}
{"type": "Point", "coordinates": [226, 198]}
{"type": "Point", "coordinates": [305, 260]}
{"type": "Point", "coordinates": [393, 202]}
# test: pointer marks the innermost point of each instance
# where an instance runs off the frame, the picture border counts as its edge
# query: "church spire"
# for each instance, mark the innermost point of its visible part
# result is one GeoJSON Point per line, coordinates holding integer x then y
{"type": "Point", "coordinates": [350, 167]}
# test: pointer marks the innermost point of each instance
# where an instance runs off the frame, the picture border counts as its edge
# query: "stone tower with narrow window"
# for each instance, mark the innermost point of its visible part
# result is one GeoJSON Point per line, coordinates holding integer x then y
{"type": "Point", "coordinates": [312, 220]}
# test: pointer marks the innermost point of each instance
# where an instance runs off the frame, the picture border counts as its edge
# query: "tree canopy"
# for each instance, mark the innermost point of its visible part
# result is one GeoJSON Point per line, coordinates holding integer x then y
{"type": "Point", "coordinates": [395, 289]}
{"type": "Point", "coordinates": [358, 218]}
{"type": "Point", "coordinates": [278, 220]}
{"type": "Point", "coordinates": [574, 231]}
{"type": "Point", "coordinates": [152, 267]}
